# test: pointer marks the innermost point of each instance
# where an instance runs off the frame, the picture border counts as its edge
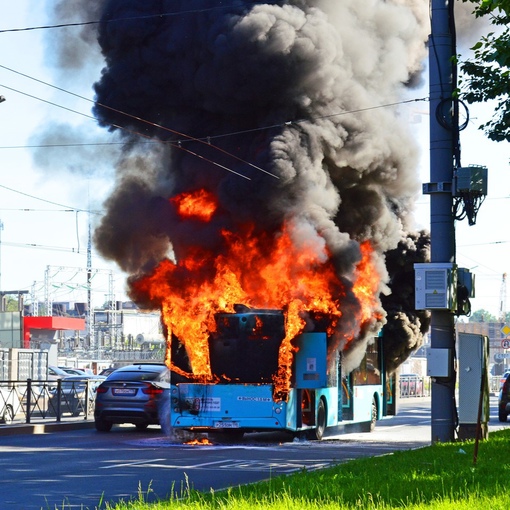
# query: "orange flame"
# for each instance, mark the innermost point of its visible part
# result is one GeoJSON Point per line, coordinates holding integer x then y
{"type": "Point", "coordinates": [200, 204]}
{"type": "Point", "coordinates": [367, 282]}
{"type": "Point", "coordinates": [202, 442]}
{"type": "Point", "coordinates": [256, 269]}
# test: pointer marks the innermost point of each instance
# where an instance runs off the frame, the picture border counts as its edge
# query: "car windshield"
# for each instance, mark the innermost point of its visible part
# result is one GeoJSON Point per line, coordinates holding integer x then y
{"type": "Point", "coordinates": [57, 371]}
{"type": "Point", "coordinates": [134, 375]}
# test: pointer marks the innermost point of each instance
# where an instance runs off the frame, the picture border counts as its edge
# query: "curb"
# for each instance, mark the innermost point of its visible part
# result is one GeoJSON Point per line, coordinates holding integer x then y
{"type": "Point", "coordinates": [44, 428]}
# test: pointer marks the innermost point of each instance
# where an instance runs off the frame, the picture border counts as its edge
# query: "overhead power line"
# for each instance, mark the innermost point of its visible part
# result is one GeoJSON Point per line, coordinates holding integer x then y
{"type": "Point", "coordinates": [137, 133]}
{"type": "Point", "coordinates": [74, 209]}
{"type": "Point", "coordinates": [115, 20]}
{"type": "Point", "coordinates": [185, 138]}
{"type": "Point", "coordinates": [42, 247]}
{"type": "Point", "coordinates": [178, 143]}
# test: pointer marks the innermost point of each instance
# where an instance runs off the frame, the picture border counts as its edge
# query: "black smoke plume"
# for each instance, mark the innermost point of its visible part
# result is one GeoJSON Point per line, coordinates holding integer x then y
{"type": "Point", "coordinates": [405, 326]}
{"type": "Point", "coordinates": [294, 87]}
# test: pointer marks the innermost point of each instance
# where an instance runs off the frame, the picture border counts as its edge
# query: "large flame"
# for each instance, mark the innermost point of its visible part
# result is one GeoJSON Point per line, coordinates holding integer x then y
{"type": "Point", "coordinates": [260, 270]}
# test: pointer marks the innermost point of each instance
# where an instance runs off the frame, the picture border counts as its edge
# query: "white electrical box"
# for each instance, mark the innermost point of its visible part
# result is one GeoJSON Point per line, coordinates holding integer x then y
{"type": "Point", "coordinates": [472, 351]}
{"type": "Point", "coordinates": [435, 286]}
{"type": "Point", "coordinates": [438, 362]}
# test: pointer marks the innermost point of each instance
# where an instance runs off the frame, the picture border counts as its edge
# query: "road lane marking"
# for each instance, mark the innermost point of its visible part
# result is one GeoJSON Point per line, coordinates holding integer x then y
{"type": "Point", "coordinates": [255, 465]}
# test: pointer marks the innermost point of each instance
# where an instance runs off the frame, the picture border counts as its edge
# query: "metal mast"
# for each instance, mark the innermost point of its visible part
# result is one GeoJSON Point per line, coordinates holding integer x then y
{"type": "Point", "coordinates": [47, 293]}
{"type": "Point", "coordinates": [502, 300]}
{"type": "Point", "coordinates": [443, 149]}
{"type": "Point", "coordinates": [89, 315]}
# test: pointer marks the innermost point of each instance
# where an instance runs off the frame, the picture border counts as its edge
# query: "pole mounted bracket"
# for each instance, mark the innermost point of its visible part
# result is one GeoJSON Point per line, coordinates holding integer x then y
{"type": "Point", "coordinates": [429, 188]}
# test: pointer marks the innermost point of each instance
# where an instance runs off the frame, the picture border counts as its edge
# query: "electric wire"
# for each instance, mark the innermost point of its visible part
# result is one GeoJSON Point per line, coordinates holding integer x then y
{"type": "Point", "coordinates": [66, 207]}
{"type": "Point", "coordinates": [206, 139]}
{"type": "Point", "coordinates": [139, 119]}
{"type": "Point", "coordinates": [178, 143]}
{"type": "Point", "coordinates": [122, 128]}
{"type": "Point", "coordinates": [115, 20]}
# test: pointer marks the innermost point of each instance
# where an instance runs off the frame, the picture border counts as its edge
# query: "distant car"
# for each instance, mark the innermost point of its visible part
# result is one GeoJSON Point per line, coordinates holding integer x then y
{"type": "Point", "coordinates": [73, 394]}
{"type": "Point", "coordinates": [132, 394]}
{"type": "Point", "coordinates": [504, 398]}
{"type": "Point", "coordinates": [107, 371]}
{"type": "Point", "coordinates": [9, 405]}
{"type": "Point", "coordinates": [503, 377]}
{"type": "Point", "coordinates": [73, 371]}
{"type": "Point", "coordinates": [56, 373]}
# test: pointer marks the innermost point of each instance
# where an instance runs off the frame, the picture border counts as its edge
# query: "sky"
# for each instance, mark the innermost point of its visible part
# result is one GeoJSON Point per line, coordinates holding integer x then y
{"type": "Point", "coordinates": [46, 193]}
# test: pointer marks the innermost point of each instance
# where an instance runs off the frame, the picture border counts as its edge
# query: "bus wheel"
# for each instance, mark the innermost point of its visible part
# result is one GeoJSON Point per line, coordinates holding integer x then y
{"type": "Point", "coordinates": [320, 424]}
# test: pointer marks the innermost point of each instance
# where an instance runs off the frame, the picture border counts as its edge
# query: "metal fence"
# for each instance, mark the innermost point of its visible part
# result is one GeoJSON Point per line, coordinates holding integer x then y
{"type": "Point", "coordinates": [30, 401]}
{"type": "Point", "coordinates": [495, 382]}
{"type": "Point", "coordinates": [414, 386]}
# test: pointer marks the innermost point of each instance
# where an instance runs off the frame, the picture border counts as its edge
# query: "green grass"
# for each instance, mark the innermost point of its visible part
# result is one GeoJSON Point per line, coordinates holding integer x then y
{"type": "Point", "coordinates": [438, 477]}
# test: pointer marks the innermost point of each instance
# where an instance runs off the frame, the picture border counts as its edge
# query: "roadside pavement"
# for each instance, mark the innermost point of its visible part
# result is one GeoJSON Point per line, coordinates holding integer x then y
{"type": "Point", "coordinates": [45, 427]}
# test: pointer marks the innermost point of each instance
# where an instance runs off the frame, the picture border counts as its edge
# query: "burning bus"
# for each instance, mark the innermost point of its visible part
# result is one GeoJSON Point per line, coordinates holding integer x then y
{"type": "Point", "coordinates": [287, 359]}
{"type": "Point", "coordinates": [250, 393]}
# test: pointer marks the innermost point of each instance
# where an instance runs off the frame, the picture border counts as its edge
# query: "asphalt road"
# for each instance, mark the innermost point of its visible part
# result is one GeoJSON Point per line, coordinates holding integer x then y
{"type": "Point", "coordinates": [79, 469]}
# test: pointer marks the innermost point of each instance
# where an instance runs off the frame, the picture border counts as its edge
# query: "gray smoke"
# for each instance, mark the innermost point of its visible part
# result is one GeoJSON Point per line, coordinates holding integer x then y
{"type": "Point", "coordinates": [73, 49]}
{"type": "Point", "coordinates": [295, 88]}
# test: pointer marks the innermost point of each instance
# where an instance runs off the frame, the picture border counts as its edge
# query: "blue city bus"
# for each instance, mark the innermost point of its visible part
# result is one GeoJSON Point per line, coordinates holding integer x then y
{"type": "Point", "coordinates": [244, 357]}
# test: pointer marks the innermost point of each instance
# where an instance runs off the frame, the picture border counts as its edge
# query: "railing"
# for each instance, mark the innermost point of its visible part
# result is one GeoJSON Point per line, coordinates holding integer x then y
{"type": "Point", "coordinates": [495, 382]}
{"type": "Point", "coordinates": [414, 386]}
{"type": "Point", "coordinates": [30, 400]}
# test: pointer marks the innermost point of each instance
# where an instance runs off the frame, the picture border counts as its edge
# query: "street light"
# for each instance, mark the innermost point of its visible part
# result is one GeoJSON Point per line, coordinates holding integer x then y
{"type": "Point", "coordinates": [2, 99]}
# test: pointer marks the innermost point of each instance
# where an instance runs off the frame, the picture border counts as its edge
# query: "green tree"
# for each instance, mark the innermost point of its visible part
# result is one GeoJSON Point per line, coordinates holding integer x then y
{"type": "Point", "coordinates": [11, 304]}
{"type": "Point", "coordinates": [486, 76]}
{"type": "Point", "coordinates": [482, 316]}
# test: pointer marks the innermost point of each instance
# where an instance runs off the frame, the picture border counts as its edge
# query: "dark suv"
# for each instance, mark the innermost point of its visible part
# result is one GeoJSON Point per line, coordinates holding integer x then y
{"type": "Point", "coordinates": [133, 394]}
{"type": "Point", "coordinates": [504, 398]}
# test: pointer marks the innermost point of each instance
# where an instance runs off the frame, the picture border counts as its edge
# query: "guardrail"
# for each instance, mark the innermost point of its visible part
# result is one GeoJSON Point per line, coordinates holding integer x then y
{"type": "Point", "coordinates": [495, 382]}
{"type": "Point", "coordinates": [414, 386]}
{"type": "Point", "coordinates": [30, 400]}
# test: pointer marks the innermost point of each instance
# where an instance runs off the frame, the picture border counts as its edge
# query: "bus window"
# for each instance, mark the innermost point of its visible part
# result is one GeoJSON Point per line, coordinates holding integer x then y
{"type": "Point", "coordinates": [368, 371]}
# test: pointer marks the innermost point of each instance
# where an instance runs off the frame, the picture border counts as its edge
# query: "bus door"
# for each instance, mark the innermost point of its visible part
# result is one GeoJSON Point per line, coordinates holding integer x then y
{"type": "Point", "coordinates": [345, 395]}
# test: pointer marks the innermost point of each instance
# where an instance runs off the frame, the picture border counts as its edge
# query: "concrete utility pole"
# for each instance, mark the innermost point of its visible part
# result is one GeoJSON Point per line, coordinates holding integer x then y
{"type": "Point", "coordinates": [443, 147]}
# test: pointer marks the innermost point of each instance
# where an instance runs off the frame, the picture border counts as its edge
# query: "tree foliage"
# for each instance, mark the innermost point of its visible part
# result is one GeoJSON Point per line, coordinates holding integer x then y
{"type": "Point", "coordinates": [486, 76]}
{"type": "Point", "coordinates": [482, 316]}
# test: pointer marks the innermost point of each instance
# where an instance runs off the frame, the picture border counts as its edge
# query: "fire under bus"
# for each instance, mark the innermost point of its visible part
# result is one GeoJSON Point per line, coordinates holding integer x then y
{"type": "Point", "coordinates": [244, 357]}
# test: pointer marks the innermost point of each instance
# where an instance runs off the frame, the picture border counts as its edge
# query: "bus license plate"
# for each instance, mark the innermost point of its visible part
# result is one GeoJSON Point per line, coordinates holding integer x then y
{"type": "Point", "coordinates": [226, 424]}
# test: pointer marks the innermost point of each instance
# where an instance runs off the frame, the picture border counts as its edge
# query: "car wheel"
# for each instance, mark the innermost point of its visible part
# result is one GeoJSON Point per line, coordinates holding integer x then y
{"type": "Point", "coordinates": [502, 416]}
{"type": "Point", "coordinates": [141, 426]}
{"type": "Point", "coordinates": [8, 415]}
{"type": "Point", "coordinates": [103, 426]}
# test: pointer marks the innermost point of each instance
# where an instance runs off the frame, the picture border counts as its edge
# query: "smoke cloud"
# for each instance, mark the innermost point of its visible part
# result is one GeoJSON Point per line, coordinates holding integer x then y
{"type": "Point", "coordinates": [74, 48]}
{"type": "Point", "coordinates": [405, 326]}
{"type": "Point", "coordinates": [296, 88]}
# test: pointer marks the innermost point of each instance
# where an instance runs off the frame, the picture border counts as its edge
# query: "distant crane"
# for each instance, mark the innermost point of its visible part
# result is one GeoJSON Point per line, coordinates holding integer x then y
{"type": "Point", "coordinates": [502, 300]}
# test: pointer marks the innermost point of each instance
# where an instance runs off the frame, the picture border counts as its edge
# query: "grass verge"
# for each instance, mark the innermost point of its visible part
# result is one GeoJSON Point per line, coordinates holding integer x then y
{"type": "Point", "coordinates": [438, 477]}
